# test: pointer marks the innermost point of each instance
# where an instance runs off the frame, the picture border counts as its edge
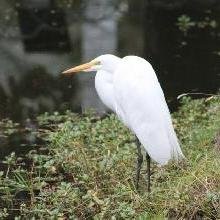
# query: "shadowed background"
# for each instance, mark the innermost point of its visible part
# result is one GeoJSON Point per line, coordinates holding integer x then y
{"type": "Point", "coordinates": [40, 38]}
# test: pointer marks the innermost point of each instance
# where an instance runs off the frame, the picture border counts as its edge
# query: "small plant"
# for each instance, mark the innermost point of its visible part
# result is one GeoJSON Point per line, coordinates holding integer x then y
{"type": "Point", "coordinates": [8, 127]}
{"type": "Point", "coordinates": [185, 23]}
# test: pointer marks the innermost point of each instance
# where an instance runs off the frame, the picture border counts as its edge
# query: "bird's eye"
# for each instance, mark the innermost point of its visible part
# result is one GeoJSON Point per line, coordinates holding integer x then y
{"type": "Point", "coordinates": [98, 62]}
{"type": "Point", "coordinates": [95, 62]}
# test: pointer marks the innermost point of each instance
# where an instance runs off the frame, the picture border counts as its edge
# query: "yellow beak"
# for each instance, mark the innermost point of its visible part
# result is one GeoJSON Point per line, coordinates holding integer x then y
{"type": "Point", "coordinates": [80, 68]}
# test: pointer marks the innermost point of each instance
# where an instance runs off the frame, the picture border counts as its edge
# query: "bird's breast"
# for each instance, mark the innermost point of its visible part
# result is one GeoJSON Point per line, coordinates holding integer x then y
{"type": "Point", "coordinates": [104, 88]}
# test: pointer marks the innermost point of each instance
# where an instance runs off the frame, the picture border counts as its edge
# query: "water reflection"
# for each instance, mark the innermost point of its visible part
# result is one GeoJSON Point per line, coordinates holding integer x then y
{"type": "Point", "coordinates": [40, 38]}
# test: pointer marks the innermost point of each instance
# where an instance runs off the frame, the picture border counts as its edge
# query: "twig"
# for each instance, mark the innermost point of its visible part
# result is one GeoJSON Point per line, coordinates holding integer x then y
{"type": "Point", "coordinates": [196, 93]}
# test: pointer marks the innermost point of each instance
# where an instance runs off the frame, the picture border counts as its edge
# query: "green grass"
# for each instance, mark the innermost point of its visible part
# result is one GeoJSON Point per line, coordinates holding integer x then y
{"type": "Point", "coordinates": [88, 167]}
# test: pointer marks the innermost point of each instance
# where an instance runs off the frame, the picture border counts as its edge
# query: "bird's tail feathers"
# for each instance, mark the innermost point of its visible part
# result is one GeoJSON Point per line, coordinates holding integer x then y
{"type": "Point", "coordinates": [176, 152]}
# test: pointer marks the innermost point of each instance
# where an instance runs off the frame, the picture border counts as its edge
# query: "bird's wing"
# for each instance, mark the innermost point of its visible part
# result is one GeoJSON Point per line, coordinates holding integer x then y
{"type": "Point", "coordinates": [140, 104]}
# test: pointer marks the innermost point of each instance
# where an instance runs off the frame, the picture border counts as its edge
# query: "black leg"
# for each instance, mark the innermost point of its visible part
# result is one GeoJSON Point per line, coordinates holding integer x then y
{"type": "Point", "coordinates": [139, 162]}
{"type": "Point", "coordinates": [148, 172]}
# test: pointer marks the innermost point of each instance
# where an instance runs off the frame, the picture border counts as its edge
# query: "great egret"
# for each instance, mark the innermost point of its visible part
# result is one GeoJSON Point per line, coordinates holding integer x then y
{"type": "Point", "coordinates": [130, 88]}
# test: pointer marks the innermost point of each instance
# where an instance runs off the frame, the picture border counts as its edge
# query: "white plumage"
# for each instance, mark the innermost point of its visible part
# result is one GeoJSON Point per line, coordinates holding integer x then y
{"type": "Point", "coordinates": [130, 88]}
{"type": "Point", "coordinates": [133, 92]}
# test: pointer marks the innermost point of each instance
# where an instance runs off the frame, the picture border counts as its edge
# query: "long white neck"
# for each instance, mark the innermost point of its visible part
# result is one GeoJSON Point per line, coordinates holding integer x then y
{"type": "Point", "coordinates": [104, 79]}
{"type": "Point", "coordinates": [104, 88]}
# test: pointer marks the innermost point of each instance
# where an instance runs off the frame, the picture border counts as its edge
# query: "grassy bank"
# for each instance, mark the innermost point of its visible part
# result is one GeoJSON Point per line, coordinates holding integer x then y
{"type": "Point", "coordinates": [87, 166]}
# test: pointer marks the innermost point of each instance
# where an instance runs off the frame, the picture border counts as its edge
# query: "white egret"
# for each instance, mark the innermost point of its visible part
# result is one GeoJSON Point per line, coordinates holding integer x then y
{"type": "Point", "coordinates": [130, 88]}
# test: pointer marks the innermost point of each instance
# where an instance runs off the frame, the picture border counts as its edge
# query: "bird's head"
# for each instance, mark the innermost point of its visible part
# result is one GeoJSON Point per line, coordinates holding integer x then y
{"type": "Point", "coordinates": [105, 62]}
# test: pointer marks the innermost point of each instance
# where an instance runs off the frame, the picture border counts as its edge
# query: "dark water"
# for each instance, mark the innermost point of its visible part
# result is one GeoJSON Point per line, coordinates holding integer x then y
{"type": "Point", "coordinates": [40, 38]}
